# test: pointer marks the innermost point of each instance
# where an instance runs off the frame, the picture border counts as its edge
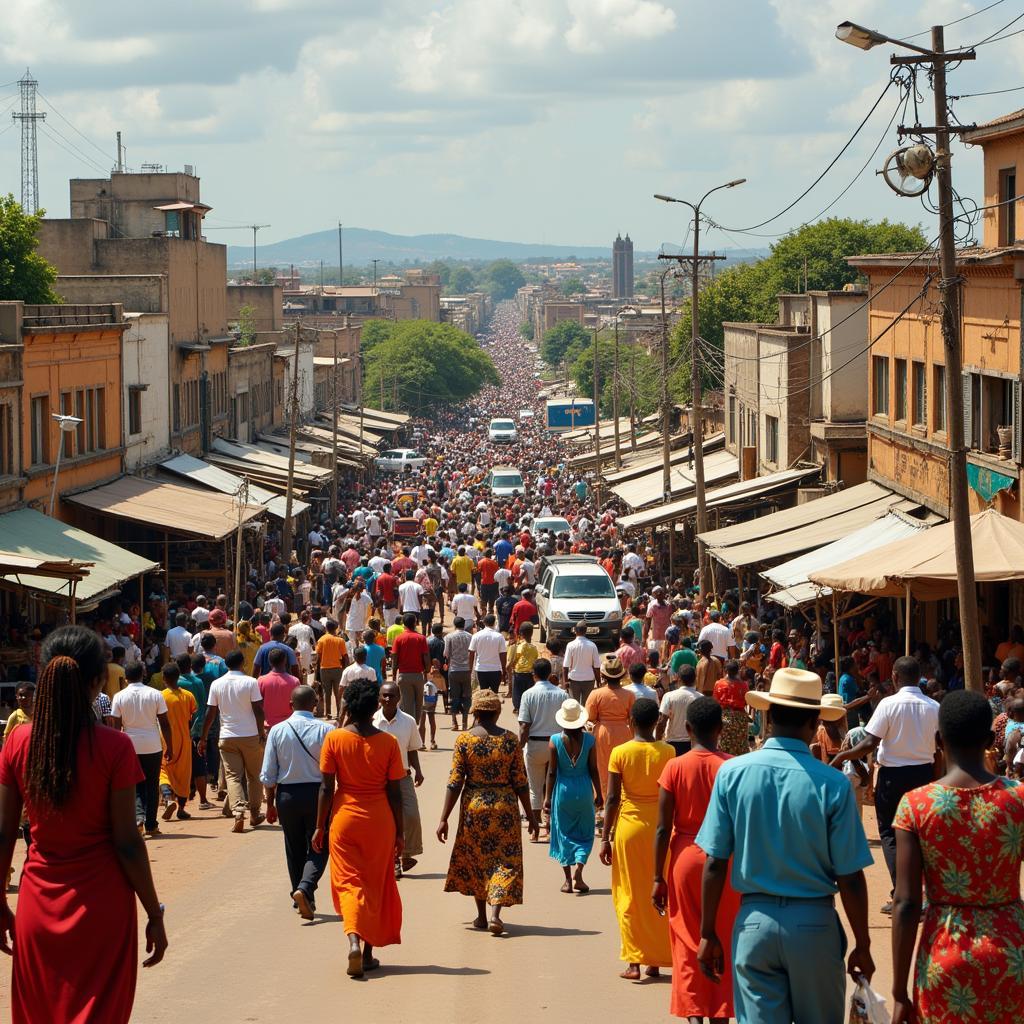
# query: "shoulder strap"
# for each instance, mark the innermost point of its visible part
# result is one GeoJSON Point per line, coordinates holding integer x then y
{"type": "Point", "coordinates": [301, 744]}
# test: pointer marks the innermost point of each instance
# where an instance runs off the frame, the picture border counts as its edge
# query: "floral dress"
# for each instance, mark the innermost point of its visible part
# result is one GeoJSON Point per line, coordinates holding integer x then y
{"type": "Point", "coordinates": [487, 856]}
{"type": "Point", "coordinates": [970, 962]}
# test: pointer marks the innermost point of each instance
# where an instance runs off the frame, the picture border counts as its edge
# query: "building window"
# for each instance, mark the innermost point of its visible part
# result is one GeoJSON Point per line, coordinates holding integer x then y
{"type": "Point", "coordinates": [176, 408]}
{"type": "Point", "coordinates": [134, 410]}
{"type": "Point", "coordinates": [880, 385]}
{"type": "Point", "coordinates": [992, 413]}
{"type": "Point", "coordinates": [919, 411]}
{"type": "Point", "coordinates": [939, 398]}
{"type": "Point", "coordinates": [7, 467]}
{"type": "Point", "coordinates": [732, 418]}
{"type": "Point", "coordinates": [95, 433]}
{"type": "Point", "coordinates": [901, 389]}
{"type": "Point", "coordinates": [67, 438]}
{"type": "Point", "coordinates": [40, 413]}
{"type": "Point", "coordinates": [771, 439]}
{"type": "Point", "coordinates": [1007, 208]}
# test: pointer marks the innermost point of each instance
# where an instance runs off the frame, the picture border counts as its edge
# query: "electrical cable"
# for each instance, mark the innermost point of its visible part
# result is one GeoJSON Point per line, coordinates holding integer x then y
{"type": "Point", "coordinates": [49, 103]}
{"type": "Point", "coordinates": [996, 36]}
{"type": "Point", "coordinates": [991, 92]}
{"type": "Point", "coordinates": [70, 147]}
{"type": "Point", "coordinates": [950, 24]}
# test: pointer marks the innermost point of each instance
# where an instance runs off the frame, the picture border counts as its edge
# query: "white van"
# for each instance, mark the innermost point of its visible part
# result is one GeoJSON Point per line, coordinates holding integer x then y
{"type": "Point", "coordinates": [502, 431]}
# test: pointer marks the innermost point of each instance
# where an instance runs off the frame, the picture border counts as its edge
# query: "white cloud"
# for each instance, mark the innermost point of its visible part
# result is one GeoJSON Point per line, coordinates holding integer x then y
{"type": "Point", "coordinates": [599, 25]}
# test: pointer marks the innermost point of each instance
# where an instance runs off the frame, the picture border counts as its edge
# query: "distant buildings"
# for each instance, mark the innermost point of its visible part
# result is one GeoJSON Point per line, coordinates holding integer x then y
{"type": "Point", "coordinates": [622, 267]}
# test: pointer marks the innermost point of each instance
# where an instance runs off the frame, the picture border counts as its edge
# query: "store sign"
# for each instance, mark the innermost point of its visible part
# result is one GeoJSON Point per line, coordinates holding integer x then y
{"type": "Point", "coordinates": [987, 482]}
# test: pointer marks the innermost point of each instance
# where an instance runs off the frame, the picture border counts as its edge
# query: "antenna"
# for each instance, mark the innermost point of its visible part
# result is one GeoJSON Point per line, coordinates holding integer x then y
{"type": "Point", "coordinates": [29, 148]}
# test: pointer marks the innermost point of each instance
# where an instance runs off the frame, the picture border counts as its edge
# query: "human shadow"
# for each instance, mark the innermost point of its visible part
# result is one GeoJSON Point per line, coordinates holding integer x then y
{"type": "Point", "coordinates": [515, 930]}
{"type": "Point", "coordinates": [425, 874]}
{"type": "Point", "coordinates": [177, 835]}
{"type": "Point", "coordinates": [412, 969]}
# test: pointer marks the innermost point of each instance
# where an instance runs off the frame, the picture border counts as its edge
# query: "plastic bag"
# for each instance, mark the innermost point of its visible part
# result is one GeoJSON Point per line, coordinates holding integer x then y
{"type": "Point", "coordinates": [867, 1006]}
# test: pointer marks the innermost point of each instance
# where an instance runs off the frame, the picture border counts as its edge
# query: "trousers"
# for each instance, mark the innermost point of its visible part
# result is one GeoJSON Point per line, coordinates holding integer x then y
{"type": "Point", "coordinates": [537, 760]}
{"type": "Point", "coordinates": [410, 686]}
{"type": "Point", "coordinates": [147, 792]}
{"type": "Point", "coordinates": [296, 810]}
{"type": "Point", "coordinates": [243, 757]}
{"type": "Point", "coordinates": [459, 691]}
{"type": "Point", "coordinates": [411, 818]}
{"type": "Point", "coordinates": [787, 957]}
{"type": "Point", "coordinates": [890, 786]}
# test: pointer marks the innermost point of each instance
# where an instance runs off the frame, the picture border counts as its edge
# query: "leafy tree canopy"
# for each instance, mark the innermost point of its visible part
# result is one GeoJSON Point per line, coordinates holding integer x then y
{"type": "Point", "coordinates": [573, 286]}
{"type": "Point", "coordinates": [559, 339]}
{"type": "Point", "coordinates": [526, 330]}
{"type": "Point", "coordinates": [24, 274]}
{"type": "Point", "coordinates": [461, 280]}
{"type": "Point", "coordinates": [503, 279]}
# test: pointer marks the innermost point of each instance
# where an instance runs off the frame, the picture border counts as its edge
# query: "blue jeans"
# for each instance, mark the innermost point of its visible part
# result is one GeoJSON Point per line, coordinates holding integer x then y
{"type": "Point", "coordinates": [788, 966]}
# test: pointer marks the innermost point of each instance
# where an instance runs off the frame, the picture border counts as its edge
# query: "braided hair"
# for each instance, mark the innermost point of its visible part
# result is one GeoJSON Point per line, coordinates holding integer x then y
{"type": "Point", "coordinates": [73, 656]}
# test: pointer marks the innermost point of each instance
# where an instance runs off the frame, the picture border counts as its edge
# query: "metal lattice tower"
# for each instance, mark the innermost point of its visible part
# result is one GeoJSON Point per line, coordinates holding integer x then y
{"type": "Point", "coordinates": [29, 149]}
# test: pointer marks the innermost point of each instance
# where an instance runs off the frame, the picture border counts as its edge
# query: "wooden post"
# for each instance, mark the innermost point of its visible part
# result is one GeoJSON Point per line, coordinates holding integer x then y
{"type": "Point", "coordinates": [906, 623]}
{"type": "Point", "coordinates": [167, 562]}
{"type": "Point", "coordinates": [835, 635]}
{"type": "Point", "coordinates": [286, 545]}
{"type": "Point", "coordinates": [74, 602]}
{"type": "Point", "coordinates": [817, 627]}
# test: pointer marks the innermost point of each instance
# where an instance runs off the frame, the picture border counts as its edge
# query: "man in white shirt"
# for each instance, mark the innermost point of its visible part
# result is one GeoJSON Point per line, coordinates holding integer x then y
{"type": "Point", "coordinates": [272, 604]}
{"type": "Point", "coordinates": [465, 605]}
{"type": "Point", "coordinates": [488, 653]}
{"type": "Point", "coordinates": [359, 605]}
{"type": "Point", "coordinates": [359, 520]}
{"type": "Point", "coordinates": [378, 562]}
{"type": "Point", "coordinates": [722, 644]}
{"type": "Point", "coordinates": [409, 594]}
{"type": "Point", "coordinates": [200, 614]}
{"type": "Point", "coordinates": [390, 718]}
{"type": "Point", "coordinates": [632, 564]}
{"type": "Point", "coordinates": [581, 664]}
{"type": "Point", "coordinates": [236, 697]}
{"type": "Point", "coordinates": [672, 718]}
{"type": "Point", "coordinates": [178, 637]}
{"type": "Point", "coordinates": [357, 670]}
{"type": "Point", "coordinates": [901, 732]}
{"type": "Point", "coordinates": [316, 538]}
{"type": "Point", "coordinates": [141, 712]}
{"type": "Point", "coordinates": [305, 641]}
{"type": "Point", "coordinates": [373, 526]}
{"type": "Point", "coordinates": [421, 553]}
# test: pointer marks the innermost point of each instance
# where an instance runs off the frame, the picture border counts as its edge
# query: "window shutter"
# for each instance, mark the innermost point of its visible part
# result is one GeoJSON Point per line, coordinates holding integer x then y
{"type": "Point", "coordinates": [965, 379]}
{"type": "Point", "coordinates": [1016, 425]}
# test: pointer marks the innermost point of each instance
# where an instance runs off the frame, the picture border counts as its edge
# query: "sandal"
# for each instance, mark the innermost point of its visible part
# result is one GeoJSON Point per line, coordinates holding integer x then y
{"type": "Point", "coordinates": [355, 963]}
{"type": "Point", "coordinates": [495, 926]}
{"type": "Point", "coordinates": [433, 746]}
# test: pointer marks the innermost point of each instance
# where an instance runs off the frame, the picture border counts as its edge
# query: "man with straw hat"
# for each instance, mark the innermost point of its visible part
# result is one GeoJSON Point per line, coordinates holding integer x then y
{"type": "Point", "coordinates": [791, 826]}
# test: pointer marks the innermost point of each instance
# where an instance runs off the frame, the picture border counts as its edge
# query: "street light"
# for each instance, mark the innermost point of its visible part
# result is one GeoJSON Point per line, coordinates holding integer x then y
{"type": "Point", "coordinates": [67, 425]}
{"type": "Point", "coordinates": [696, 425]}
{"type": "Point", "coordinates": [960, 514]}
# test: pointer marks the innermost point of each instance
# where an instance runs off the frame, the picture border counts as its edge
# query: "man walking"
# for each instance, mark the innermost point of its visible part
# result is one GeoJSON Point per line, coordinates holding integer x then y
{"type": "Point", "coordinates": [902, 731]}
{"type": "Point", "coordinates": [410, 663]}
{"type": "Point", "coordinates": [141, 712]}
{"type": "Point", "coordinates": [456, 654]}
{"type": "Point", "coordinates": [291, 775]}
{"type": "Point", "coordinates": [391, 719]}
{"type": "Point", "coordinates": [793, 831]}
{"type": "Point", "coordinates": [537, 710]}
{"type": "Point", "coordinates": [581, 664]}
{"type": "Point", "coordinates": [236, 698]}
{"type": "Point", "coordinates": [488, 654]}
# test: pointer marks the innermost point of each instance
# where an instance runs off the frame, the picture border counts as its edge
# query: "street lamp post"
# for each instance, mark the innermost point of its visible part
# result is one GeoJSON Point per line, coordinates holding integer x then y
{"type": "Point", "coordinates": [67, 425]}
{"type": "Point", "coordinates": [938, 57]}
{"type": "Point", "coordinates": [696, 420]}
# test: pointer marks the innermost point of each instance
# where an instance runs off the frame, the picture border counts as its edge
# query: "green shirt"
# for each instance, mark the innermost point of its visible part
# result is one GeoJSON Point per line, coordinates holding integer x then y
{"type": "Point", "coordinates": [197, 688]}
{"type": "Point", "coordinates": [684, 656]}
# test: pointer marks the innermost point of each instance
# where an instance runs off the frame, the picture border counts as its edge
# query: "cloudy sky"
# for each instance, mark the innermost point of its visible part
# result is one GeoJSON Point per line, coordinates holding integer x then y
{"type": "Point", "coordinates": [524, 120]}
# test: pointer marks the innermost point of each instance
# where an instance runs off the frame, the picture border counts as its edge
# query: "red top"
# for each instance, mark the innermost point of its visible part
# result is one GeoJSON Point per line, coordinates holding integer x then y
{"type": "Point", "coordinates": [690, 779]}
{"type": "Point", "coordinates": [400, 566]}
{"type": "Point", "coordinates": [276, 688]}
{"type": "Point", "coordinates": [731, 693]}
{"type": "Point", "coordinates": [522, 611]}
{"type": "Point", "coordinates": [409, 650]}
{"type": "Point", "coordinates": [387, 587]}
{"type": "Point", "coordinates": [487, 568]}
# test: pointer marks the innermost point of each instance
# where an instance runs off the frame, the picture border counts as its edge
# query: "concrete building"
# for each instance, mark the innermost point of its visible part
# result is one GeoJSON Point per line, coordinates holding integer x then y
{"type": "Point", "coordinates": [796, 391]}
{"type": "Point", "coordinates": [622, 267]}
{"type": "Point", "coordinates": [467, 312]}
{"type": "Point", "coordinates": [416, 297]}
{"type": "Point", "coordinates": [254, 406]}
{"type": "Point", "coordinates": [145, 394]}
{"type": "Point", "coordinates": [11, 388]}
{"type": "Point", "coordinates": [265, 303]}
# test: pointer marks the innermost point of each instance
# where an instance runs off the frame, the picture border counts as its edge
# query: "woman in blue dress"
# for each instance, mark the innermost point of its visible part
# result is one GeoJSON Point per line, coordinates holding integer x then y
{"type": "Point", "coordinates": [573, 790]}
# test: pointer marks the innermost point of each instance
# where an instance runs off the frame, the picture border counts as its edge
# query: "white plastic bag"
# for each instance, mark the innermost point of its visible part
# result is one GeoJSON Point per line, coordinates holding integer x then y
{"type": "Point", "coordinates": [867, 1006]}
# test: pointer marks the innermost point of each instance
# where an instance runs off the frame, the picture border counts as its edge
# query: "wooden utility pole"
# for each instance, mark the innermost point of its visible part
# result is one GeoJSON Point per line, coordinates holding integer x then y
{"type": "Point", "coordinates": [334, 424]}
{"type": "Point", "coordinates": [293, 428]}
{"type": "Point", "coordinates": [243, 500]}
{"type": "Point", "coordinates": [615, 396]}
{"type": "Point", "coordinates": [597, 428]}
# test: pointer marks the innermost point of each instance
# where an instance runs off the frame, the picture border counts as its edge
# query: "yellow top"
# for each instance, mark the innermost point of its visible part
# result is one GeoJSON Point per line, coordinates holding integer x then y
{"type": "Point", "coordinates": [522, 655]}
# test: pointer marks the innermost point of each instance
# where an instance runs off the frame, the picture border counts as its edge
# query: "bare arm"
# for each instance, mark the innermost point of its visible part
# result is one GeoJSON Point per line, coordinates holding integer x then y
{"type": "Point", "coordinates": [611, 814]}
{"type": "Point", "coordinates": [549, 784]}
{"type": "Point", "coordinates": [867, 746]}
{"type": "Point", "coordinates": [10, 820]}
{"type": "Point", "coordinates": [906, 916]}
{"type": "Point", "coordinates": [710, 956]}
{"type": "Point", "coordinates": [595, 776]}
{"type": "Point", "coordinates": [165, 729]}
{"type": "Point", "coordinates": [662, 834]}
{"type": "Point", "coordinates": [451, 795]}
{"type": "Point", "coordinates": [853, 890]}
{"type": "Point", "coordinates": [394, 795]}
{"type": "Point", "coordinates": [323, 807]}
{"type": "Point", "coordinates": [211, 714]}
{"type": "Point", "coordinates": [261, 729]}
{"type": "Point", "coordinates": [659, 729]}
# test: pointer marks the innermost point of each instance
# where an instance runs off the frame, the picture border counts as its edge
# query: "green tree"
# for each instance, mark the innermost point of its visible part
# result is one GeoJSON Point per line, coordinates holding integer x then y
{"type": "Point", "coordinates": [246, 325]}
{"type": "Point", "coordinates": [526, 330]}
{"type": "Point", "coordinates": [503, 279]}
{"type": "Point", "coordinates": [573, 286]}
{"type": "Point", "coordinates": [558, 340]}
{"type": "Point", "coordinates": [461, 281]}
{"type": "Point", "coordinates": [24, 274]}
{"type": "Point", "coordinates": [426, 364]}
{"type": "Point", "coordinates": [374, 332]}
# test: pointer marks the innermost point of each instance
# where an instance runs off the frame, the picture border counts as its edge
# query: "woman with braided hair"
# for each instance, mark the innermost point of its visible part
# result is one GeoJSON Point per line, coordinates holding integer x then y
{"type": "Point", "coordinates": [77, 935]}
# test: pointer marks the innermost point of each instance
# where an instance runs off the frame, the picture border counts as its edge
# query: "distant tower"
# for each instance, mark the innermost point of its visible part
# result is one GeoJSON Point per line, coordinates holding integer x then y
{"type": "Point", "coordinates": [29, 149]}
{"type": "Point", "coordinates": [622, 267]}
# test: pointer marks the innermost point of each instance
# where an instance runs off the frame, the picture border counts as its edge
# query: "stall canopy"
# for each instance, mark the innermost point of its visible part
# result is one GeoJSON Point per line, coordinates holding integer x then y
{"type": "Point", "coordinates": [812, 531]}
{"type": "Point", "coordinates": [649, 488]}
{"type": "Point", "coordinates": [719, 497]}
{"type": "Point", "coordinates": [640, 463]}
{"type": "Point", "coordinates": [218, 479]}
{"type": "Point", "coordinates": [792, 578]}
{"type": "Point", "coordinates": [172, 507]}
{"type": "Point", "coordinates": [926, 563]}
{"type": "Point", "coordinates": [265, 464]}
{"type": "Point", "coordinates": [35, 538]}
{"type": "Point", "coordinates": [387, 420]}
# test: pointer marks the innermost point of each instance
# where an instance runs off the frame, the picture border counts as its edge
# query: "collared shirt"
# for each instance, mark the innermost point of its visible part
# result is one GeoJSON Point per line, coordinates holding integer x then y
{"type": "Point", "coordinates": [137, 706]}
{"type": "Point", "coordinates": [789, 822]}
{"type": "Point", "coordinates": [582, 663]}
{"type": "Point", "coordinates": [906, 723]}
{"type": "Point", "coordinates": [403, 727]}
{"type": "Point", "coordinates": [488, 645]}
{"type": "Point", "coordinates": [261, 663]}
{"type": "Point", "coordinates": [284, 760]}
{"type": "Point", "coordinates": [538, 708]}
{"type": "Point", "coordinates": [720, 637]}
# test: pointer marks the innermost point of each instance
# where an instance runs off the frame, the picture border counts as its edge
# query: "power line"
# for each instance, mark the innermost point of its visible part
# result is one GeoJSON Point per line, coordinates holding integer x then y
{"type": "Point", "coordinates": [966, 17]}
{"type": "Point", "coordinates": [69, 147]}
{"type": "Point", "coordinates": [992, 38]}
{"type": "Point", "coordinates": [991, 92]}
{"type": "Point", "coordinates": [49, 103]}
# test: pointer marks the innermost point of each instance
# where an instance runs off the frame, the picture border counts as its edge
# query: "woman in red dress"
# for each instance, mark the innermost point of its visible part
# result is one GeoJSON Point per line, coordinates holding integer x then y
{"type": "Point", "coordinates": [685, 791]}
{"type": "Point", "coordinates": [76, 938]}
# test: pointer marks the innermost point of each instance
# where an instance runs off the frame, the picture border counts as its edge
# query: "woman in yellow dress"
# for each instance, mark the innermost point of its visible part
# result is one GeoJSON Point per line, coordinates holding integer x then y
{"type": "Point", "coordinates": [608, 710]}
{"type": "Point", "coordinates": [627, 842]}
{"type": "Point", "coordinates": [176, 772]}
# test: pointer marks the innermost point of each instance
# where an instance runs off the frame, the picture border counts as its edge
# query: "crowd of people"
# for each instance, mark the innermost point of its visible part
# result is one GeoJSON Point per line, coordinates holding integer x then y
{"type": "Point", "coordinates": [699, 753]}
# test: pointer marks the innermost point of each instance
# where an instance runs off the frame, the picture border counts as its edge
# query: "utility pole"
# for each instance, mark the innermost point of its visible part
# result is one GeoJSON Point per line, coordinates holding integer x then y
{"type": "Point", "coordinates": [341, 259]}
{"type": "Point", "coordinates": [597, 428]}
{"type": "Point", "coordinates": [615, 396]}
{"type": "Point", "coordinates": [292, 431]}
{"type": "Point", "coordinates": [375, 262]}
{"type": "Point", "coordinates": [666, 407]}
{"type": "Point", "coordinates": [359, 391]}
{"type": "Point", "coordinates": [632, 392]}
{"type": "Point", "coordinates": [29, 145]}
{"type": "Point", "coordinates": [120, 152]}
{"type": "Point", "coordinates": [243, 500]}
{"type": "Point", "coordinates": [254, 228]}
{"type": "Point", "coordinates": [334, 429]}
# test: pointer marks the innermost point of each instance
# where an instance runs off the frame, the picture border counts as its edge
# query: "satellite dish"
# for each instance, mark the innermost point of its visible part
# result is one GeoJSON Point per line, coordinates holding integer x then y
{"type": "Point", "coordinates": [908, 171]}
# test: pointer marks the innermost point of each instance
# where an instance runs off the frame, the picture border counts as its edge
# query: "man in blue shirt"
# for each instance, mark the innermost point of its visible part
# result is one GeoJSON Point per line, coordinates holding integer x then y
{"type": "Point", "coordinates": [374, 654]}
{"type": "Point", "coordinates": [261, 663]}
{"type": "Point", "coordinates": [291, 774]}
{"type": "Point", "coordinates": [791, 826]}
{"type": "Point", "coordinates": [503, 551]}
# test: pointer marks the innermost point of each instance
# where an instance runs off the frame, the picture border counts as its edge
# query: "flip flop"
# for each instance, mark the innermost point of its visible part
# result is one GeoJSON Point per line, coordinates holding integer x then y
{"type": "Point", "coordinates": [495, 927]}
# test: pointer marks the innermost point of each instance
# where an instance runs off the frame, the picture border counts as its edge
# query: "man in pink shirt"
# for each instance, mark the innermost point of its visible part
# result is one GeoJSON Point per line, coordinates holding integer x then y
{"type": "Point", "coordinates": [276, 687]}
{"type": "Point", "coordinates": [629, 652]}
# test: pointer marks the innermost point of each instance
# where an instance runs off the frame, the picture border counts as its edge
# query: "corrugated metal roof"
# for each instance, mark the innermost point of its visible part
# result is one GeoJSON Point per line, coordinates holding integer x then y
{"type": "Point", "coordinates": [644, 462]}
{"type": "Point", "coordinates": [29, 533]}
{"type": "Point", "coordinates": [648, 489]}
{"type": "Point", "coordinates": [263, 460]}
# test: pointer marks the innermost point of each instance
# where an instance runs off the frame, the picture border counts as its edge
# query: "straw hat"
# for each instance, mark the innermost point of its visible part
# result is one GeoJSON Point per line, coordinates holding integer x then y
{"type": "Point", "coordinates": [611, 667]}
{"type": "Point", "coordinates": [795, 688]}
{"type": "Point", "coordinates": [485, 700]}
{"type": "Point", "coordinates": [572, 715]}
{"type": "Point", "coordinates": [833, 700]}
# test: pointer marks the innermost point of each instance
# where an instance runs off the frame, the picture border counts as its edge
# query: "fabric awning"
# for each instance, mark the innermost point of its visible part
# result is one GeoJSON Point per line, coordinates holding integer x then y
{"type": "Point", "coordinates": [168, 506]}
{"type": "Point", "coordinates": [649, 488]}
{"type": "Point", "coordinates": [218, 479]}
{"type": "Point", "coordinates": [926, 563]}
{"type": "Point", "coordinates": [262, 461]}
{"type": "Point", "coordinates": [642, 462]}
{"type": "Point", "coordinates": [794, 574]}
{"type": "Point", "coordinates": [35, 538]}
{"type": "Point", "coordinates": [719, 497]}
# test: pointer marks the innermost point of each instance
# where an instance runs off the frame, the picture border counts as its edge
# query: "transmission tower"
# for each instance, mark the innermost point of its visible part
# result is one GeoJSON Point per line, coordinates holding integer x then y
{"type": "Point", "coordinates": [29, 149]}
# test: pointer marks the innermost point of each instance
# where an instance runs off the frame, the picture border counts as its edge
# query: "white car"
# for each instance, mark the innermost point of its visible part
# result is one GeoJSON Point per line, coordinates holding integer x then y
{"type": "Point", "coordinates": [400, 460]}
{"type": "Point", "coordinates": [505, 481]}
{"type": "Point", "coordinates": [526, 414]}
{"type": "Point", "coordinates": [556, 524]}
{"type": "Point", "coordinates": [575, 588]}
{"type": "Point", "coordinates": [502, 431]}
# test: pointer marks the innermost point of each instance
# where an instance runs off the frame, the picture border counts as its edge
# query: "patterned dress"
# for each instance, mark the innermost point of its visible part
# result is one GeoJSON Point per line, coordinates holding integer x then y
{"type": "Point", "coordinates": [970, 962]}
{"type": "Point", "coordinates": [487, 856]}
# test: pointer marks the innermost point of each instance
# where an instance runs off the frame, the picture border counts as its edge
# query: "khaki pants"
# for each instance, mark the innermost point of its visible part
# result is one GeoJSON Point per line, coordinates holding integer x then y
{"type": "Point", "coordinates": [537, 759]}
{"type": "Point", "coordinates": [411, 819]}
{"type": "Point", "coordinates": [242, 757]}
{"type": "Point", "coordinates": [580, 691]}
{"type": "Point", "coordinates": [410, 686]}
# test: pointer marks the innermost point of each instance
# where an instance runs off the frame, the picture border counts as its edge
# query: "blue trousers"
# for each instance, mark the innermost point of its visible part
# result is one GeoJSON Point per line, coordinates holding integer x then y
{"type": "Point", "coordinates": [788, 962]}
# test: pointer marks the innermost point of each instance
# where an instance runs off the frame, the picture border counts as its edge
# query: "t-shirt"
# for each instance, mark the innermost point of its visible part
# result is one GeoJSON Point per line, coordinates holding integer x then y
{"type": "Point", "coordinates": [408, 651]}
{"type": "Point", "coordinates": [487, 568]}
{"type": "Point", "coordinates": [356, 671]}
{"type": "Point", "coordinates": [375, 660]}
{"type": "Point", "coordinates": [456, 650]}
{"type": "Point", "coordinates": [233, 695]}
{"type": "Point", "coordinates": [720, 637]}
{"type": "Point", "coordinates": [115, 681]}
{"type": "Point", "coordinates": [395, 630]}
{"type": "Point", "coordinates": [906, 723]}
{"type": "Point", "coordinates": [462, 567]}
{"type": "Point", "coordinates": [488, 645]}
{"type": "Point", "coordinates": [684, 656]}
{"type": "Point", "coordinates": [276, 690]}
{"type": "Point", "coordinates": [410, 592]}
{"type": "Point", "coordinates": [660, 616]}
{"type": "Point", "coordinates": [331, 649]}
{"type": "Point", "coordinates": [465, 606]}
{"type": "Point", "coordinates": [138, 706]}
{"type": "Point", "coordinates": [17, 717]}
{"type": "Point", "coordinates": [673, 707]}
{"type": "Point", "coordinates": [261, 663]}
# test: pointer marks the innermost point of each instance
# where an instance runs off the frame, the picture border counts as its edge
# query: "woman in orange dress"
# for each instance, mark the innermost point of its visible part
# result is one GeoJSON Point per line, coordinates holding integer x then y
{"type": "Point", "coordinates": [366, 826]}
{"type": "Point", "coordinates": [686, 784]}
{"type": "Point", "coordinates": [608, 709]}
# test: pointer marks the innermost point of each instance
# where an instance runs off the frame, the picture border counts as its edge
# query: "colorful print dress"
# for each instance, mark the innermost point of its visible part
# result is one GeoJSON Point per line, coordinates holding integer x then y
{"type": "Point", "coordinates": [970, 961]}
{"type": "Point", "coordinates": [487, 856]}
